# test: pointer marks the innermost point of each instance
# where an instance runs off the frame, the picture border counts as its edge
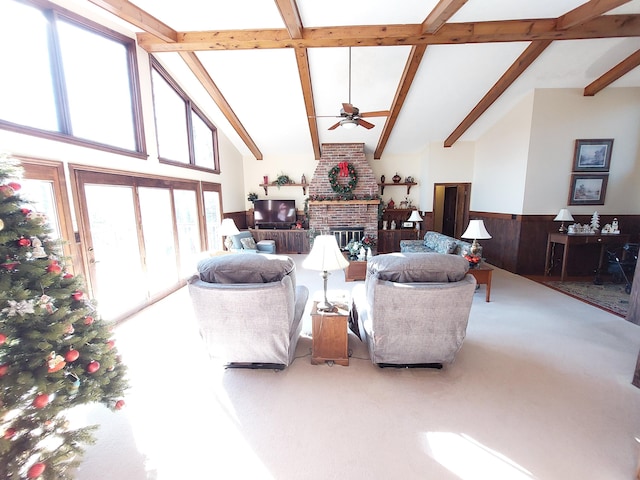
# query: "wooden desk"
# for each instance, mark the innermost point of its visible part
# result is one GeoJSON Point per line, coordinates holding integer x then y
{"type": "Point", "coordinates": [482, 275]}
{"type": "Point", "coordinates": [330, 336]}
{"type": "Point", "coordinates": [570, 241]}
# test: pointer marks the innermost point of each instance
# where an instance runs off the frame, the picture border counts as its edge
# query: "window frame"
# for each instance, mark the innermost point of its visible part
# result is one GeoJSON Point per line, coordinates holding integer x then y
{"type": "Point", "coordinates": [190, 109]}
{"type": "Point", "coordinates": [54, 14]}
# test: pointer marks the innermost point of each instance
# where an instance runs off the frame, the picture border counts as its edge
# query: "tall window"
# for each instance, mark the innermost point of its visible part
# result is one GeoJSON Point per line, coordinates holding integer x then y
{"type": "Point", "coordinates": [184, 134]}
{"type": "Point", "coordinates": [67, 78]}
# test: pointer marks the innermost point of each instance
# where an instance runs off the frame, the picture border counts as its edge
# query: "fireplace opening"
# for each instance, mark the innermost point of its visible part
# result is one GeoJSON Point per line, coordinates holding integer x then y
{"type": "Point", "coordinates": [345, 234]}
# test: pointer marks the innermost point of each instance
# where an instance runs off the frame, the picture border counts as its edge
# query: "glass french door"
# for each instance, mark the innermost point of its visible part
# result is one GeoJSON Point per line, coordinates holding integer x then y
{"type": "Point", "coordinates": [116, 269]}
{"type": "Point", "coordinates": [142, 237]}
{"type": "Point", "coordinates": [44, 191]}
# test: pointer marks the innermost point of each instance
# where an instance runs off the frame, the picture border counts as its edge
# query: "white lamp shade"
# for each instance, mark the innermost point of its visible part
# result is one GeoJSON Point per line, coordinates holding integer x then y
{"type": "Point", "coordinates": [228, 227]}
{"type": "Point", "coordinates": [415, 217]}
{"type": "Point", "coordinates": [476, 230]}
{"type": "Point", "coordinates": [564, 215]}
{"type": "Point", "coordinates": [325, 255]}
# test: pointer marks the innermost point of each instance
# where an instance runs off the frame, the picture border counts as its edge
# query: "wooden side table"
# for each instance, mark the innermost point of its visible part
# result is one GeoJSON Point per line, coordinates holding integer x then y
{"type": "Point", "coordinates": [482, 274]}
{"type": "Point", "coordinates": [330, 336]}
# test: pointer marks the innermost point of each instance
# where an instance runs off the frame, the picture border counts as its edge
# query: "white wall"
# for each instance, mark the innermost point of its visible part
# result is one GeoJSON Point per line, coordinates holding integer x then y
{"type": "Point", "coordinates": [445, 165]}
{"type": "Point", "coordinates": [501, 162]}
{"type": "Point", "coordinates": [561, 116]}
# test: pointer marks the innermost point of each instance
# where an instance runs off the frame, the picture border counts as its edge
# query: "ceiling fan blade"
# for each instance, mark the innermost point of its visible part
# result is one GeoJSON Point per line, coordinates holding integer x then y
{"type": "Point", "coordinates": [365, 124]}
{"type": "Point", "coordinates": [379, 113]}
{"type": "Point", "coordinates": [348, 108]}
{"type": "Point", "coordinates": [332, 127]}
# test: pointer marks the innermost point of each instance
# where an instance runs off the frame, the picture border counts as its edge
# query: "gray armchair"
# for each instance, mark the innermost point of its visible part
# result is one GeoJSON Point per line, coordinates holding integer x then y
{"type": "Point", "coordinates": [413, 308]}
{"type": "Point", "coordinates": [249, 309]}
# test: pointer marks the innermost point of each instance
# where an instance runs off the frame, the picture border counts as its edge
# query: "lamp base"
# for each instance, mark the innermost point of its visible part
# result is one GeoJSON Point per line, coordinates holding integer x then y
{"type": "Point", "coordinates": [325, 307]}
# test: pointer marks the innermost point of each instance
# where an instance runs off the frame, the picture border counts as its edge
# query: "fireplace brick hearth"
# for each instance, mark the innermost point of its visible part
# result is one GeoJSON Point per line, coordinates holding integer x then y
{"type": "Point", "coordinates": [326, 216]}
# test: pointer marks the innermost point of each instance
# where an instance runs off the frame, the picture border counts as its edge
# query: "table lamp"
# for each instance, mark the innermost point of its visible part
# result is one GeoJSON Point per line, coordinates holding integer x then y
{"type": "Point", "coordinates": [476, 230]}
{"type": "Point", "coordinates": [227, 229]}
{"type": "Point", "coordinates": [325, 256]}
{"type": "Point", "coordinates": [564, 215]}
{"type": "Point", "coordinates": [416, 218]}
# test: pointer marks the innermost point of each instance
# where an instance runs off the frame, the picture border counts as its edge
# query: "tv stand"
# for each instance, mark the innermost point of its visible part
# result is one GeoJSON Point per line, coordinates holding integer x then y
{"type": "Point", "coordinates": [287, 241]}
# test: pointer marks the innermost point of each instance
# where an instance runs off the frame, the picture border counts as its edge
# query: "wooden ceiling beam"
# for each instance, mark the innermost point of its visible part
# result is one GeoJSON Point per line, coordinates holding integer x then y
{"type": "Point", "coordinates": [193, 62]}
{"type": "Point", "coordinates": [607, 26]}
{"type": "Point", "coordinates": [442, 12]}
{"type": "Point", "coordinates": [408, 75]}
{"type": "Point", "coordinates": [291, 17]}
{"type": "Point", "coordinates": [624, 67]}
{"type": "Point", "coordinates": [587, 11]}
{"type": "Point", "coordinates": [527, 57]}
{"type": "Point", "coordinates": [307, 92]}
{"type": "Point", "coordinates": [138, 17]}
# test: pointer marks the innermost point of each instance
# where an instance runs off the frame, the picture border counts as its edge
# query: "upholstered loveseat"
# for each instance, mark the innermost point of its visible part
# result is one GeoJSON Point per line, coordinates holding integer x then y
{"type": "Point", "coordinates": [413, 308]}
{"type": "Point", "coordinates": [249, 308]}
{"type": "Point", "coordinates": [435, 242]}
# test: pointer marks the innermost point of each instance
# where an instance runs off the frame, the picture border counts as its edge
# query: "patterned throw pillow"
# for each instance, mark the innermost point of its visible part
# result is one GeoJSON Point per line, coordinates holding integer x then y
{"type": "Point", "coordinates": [248, 243]}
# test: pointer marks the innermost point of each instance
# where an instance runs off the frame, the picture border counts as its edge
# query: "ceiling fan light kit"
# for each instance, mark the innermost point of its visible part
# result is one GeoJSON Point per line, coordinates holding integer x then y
{"type": "Point", "coordinates": [349, 123]}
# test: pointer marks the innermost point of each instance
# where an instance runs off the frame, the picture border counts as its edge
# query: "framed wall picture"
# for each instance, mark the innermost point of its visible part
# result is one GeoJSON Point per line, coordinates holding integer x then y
{"type": "Point", "coordinates": [587, 189]}
{"type": "Point", "coordinates": [592, 155]}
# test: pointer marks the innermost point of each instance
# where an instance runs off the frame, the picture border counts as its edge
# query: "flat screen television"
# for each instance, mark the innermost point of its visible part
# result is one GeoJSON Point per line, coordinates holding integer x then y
{"type": "Point", "coordinates": [274, 213]}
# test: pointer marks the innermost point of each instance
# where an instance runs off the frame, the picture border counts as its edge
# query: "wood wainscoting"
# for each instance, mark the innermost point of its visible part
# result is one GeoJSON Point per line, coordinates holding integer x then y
{"type": "Point", "coordinates": [519, 242]}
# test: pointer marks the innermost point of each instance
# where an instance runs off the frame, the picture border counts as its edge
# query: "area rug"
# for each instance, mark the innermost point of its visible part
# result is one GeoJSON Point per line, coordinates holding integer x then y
{"type": "Point", "coordinates": [608, 296]}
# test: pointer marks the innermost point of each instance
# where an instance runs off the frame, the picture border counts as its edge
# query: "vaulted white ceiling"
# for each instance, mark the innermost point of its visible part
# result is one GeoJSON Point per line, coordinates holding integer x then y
{"type": "Point", "coordinates": [265, 87]}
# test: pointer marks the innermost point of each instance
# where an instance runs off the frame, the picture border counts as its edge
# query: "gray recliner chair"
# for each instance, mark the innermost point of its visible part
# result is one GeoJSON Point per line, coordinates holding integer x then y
{"type": "Point", "coordinates": [413, 308]}
{"type": "Point", "coordinates": [249, 309]}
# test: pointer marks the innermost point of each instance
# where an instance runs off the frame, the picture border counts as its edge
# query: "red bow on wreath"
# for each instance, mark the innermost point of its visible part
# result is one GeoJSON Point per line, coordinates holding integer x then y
{"type": "Point", "coordinates": [344, 169]}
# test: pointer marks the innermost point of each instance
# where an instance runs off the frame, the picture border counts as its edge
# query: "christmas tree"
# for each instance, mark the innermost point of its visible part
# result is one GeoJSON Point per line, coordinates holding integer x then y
{"type": "Point", "coordinates": [55, 351]}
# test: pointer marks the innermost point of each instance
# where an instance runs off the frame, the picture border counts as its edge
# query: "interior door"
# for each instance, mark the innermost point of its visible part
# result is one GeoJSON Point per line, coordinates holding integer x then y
{"type": "Point", "coordinates": [451, 208]}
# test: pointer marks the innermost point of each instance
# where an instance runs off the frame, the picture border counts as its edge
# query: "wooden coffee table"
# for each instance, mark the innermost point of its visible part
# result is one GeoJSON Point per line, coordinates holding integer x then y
{"type": "Point", "coordinates": [357, 270]}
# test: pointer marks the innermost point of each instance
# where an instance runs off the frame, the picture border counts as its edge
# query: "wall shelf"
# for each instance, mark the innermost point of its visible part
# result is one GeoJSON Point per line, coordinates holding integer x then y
{"type": "Point", "coordinates": [267, 185]}
{"type": "Point", "coordinates": [407, 184]}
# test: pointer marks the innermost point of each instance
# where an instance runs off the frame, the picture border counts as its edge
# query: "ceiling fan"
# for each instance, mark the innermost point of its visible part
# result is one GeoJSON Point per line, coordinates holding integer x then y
{"type": "Point", "coordinates": [350, 115]}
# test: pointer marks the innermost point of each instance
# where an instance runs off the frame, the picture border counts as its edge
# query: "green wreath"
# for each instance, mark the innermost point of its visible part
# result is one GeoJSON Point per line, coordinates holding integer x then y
{"type": "Point", "coordinates": [333, 179]}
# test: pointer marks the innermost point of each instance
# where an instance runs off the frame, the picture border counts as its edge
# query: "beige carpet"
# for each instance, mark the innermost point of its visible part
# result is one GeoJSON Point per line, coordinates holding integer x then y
{"type": "Point", "coordinates": [540, 390]}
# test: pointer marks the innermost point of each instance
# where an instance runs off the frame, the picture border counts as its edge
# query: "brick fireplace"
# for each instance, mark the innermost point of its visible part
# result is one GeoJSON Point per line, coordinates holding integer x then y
{"type": "Point", "coordinates": [328, 216]}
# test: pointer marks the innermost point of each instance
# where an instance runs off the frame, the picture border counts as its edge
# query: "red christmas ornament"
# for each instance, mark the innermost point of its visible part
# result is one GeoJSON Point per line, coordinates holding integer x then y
{"type": "Point", "coordinates": [3, 338]}
{"type": "Point", "coordinates": [88, 320]}
{"type": "Point", "coordinates": [93, 366]}
{"type": "Point", "coordinates": [36, 470]}
{"type": "Point", "coordinates": [41, 400]}
{"type": "Point", "coordinates": [77, 295]}
{"type": "Point", "coordinates": [10, 264]}
{"type": "Point", "coordinates": [54, 267]}
{"type": "Point", "coordinates": [4, 369]}
{"type": "Point", "coordinates": [72, 355]}
{"type": "Point", "coordinates": [119, 404]}
{"type": "Point", "coordinates": [111, 344]}
{"type": "Point", "coordinates": [9, 433]}
{"type": "Point", "coordinates": [67, 275]}
{"type": "Point", "coordinates": [24, 242]}
{"type": "Point", "coordinates": [15, 186]}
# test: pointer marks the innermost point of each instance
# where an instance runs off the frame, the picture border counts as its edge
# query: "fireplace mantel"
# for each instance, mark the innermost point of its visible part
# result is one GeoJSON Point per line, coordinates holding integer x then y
{"type": "Point", "coordinates": [344, 202]}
